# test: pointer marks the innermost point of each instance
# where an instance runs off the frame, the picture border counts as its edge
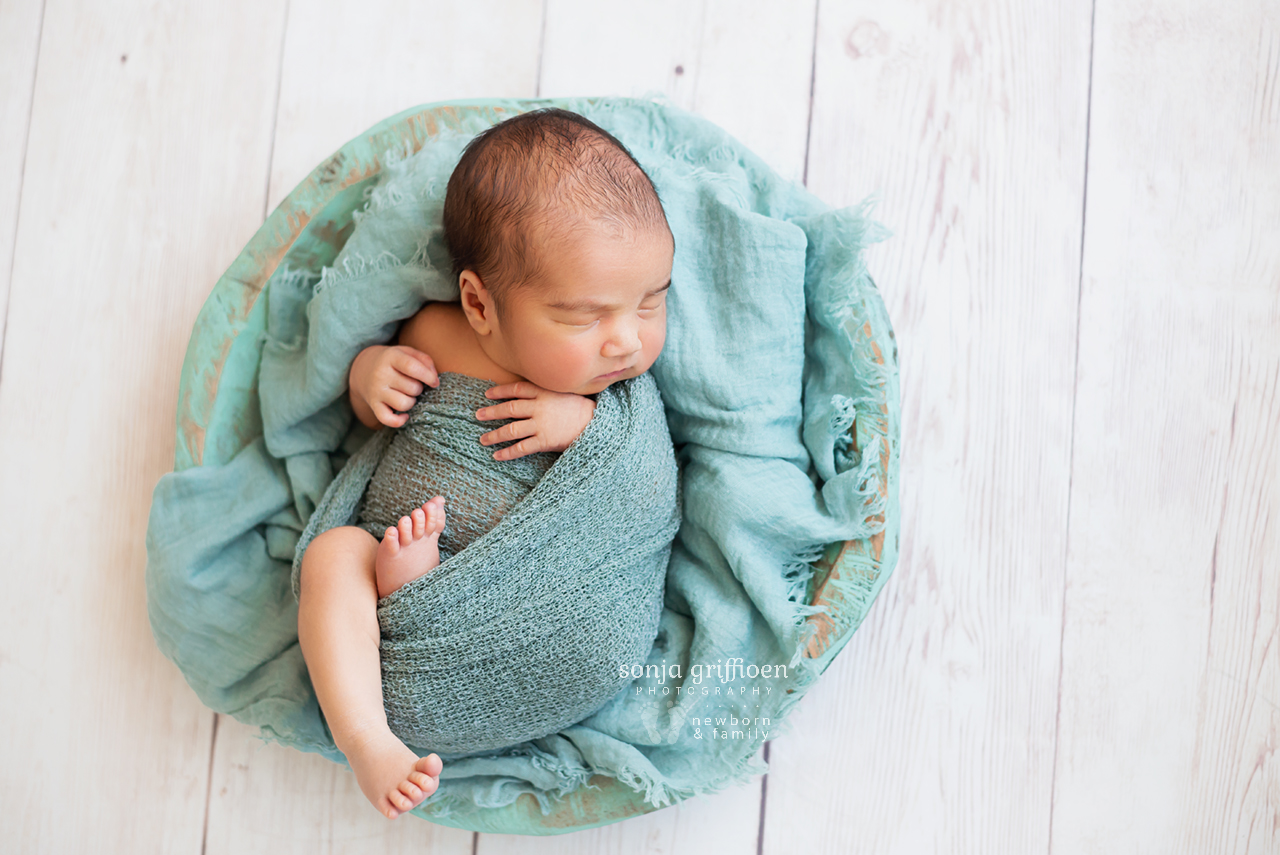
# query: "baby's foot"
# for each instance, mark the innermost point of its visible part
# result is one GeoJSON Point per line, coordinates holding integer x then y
{"type": "Point", "coordinates": [411, 549]}
{"type": "Point", "coordinates": [392, 777]}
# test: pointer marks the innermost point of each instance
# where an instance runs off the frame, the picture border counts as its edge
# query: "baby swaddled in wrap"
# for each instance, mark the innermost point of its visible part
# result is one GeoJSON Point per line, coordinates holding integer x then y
{"type": "Point", "coordinates": [515, 590]}
{"type": "Point", "coordinates": [552, 596]}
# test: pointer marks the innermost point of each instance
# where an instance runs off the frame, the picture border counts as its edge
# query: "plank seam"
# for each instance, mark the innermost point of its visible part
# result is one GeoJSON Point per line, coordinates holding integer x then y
{"type": "Point", "coordinates": [208, 787]}
{"type": "Point", "coordinates": [22, 180]}
{"type": "Point", "coordinates": [1075, 394]}
{"type": "Point", "coordinates": [764, 801]}
{"type": "Point", "coordinates": [813, 79]}
{"type": "Point", "coordinates": [542, 46]}
{"type": "Point", "coordinates": [275, 112]}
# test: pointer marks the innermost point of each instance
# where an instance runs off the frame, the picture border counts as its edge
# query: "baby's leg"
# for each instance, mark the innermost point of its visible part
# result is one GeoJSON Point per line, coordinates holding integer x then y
{"type": "Point", "coordinates": [410, 549]}
{"type": "Point", "coordinates": [338, 633]}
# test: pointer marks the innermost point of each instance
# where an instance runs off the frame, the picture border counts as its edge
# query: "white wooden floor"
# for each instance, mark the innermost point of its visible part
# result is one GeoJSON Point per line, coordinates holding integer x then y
{"type": "Point", "coordinates": [1080, 649]}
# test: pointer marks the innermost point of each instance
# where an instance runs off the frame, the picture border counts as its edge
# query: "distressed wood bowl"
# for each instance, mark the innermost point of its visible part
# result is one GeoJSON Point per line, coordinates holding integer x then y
{"type": "Point", "coordinates": [218, 413]}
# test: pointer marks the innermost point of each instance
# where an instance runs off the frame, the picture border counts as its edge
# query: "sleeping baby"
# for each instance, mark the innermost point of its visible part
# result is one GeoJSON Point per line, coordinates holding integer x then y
{"type": "Point", "coordinates": [563, 258]}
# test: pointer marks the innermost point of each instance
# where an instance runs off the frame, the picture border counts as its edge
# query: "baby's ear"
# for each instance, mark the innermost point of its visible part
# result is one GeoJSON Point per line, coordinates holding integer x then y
{"type": "Point", "coordinates": [477, 302]}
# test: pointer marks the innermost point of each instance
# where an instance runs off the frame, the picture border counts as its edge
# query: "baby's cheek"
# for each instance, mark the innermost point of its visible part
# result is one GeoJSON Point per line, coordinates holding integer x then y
{"type": "Point", "coordinates": [654, 344]}
{"type": "Point", "coordinates": [574, 365]}
{"type": "Point", "coordinates": [586, 357]}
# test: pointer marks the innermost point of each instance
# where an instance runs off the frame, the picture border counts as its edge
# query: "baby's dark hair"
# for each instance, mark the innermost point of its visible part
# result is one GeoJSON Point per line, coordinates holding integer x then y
{"type": "Point", "coordinates": [549, 169]}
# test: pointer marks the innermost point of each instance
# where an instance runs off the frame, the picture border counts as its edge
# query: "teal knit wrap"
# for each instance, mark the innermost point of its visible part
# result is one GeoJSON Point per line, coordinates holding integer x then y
{"type": "Point", "coordinates": [537, 623]}
{"type": "Point", "coordinates": [437, 452]}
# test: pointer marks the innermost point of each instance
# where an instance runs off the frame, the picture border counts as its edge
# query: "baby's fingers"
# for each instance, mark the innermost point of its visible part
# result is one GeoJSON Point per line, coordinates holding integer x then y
{"type": "Point", "coordinates": [520, 389]}
{"type": "Point", "coordinates": [415, 364]}
{"type": "Point", "coordinates": [532, 445]}
{"type": "Point", "coordinates": [508, 432]}
{"type": "Point", "coordinates": [395, 400]}
{"type": "Point", "coordinates": [404, 383]}
{"type": "Point", "coordinates": [388, 416]}
{"type": "Point", "coordinates": [520, 408]}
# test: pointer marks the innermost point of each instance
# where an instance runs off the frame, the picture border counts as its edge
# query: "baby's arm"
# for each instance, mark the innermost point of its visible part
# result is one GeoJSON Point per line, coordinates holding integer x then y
{"type": "Point", "coordinates": [550, 421]}
{"type": "Point", "coordinates": [385, 379]}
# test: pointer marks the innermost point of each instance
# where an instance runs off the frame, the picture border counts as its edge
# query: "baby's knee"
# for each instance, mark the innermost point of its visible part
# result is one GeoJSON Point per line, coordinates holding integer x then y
{"type": "Point", "coordinates": [338, 552]}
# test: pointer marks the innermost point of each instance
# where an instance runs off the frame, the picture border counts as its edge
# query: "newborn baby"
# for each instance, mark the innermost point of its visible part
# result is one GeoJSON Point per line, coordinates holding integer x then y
{"type": "Point", "coordinates": [563, 257]}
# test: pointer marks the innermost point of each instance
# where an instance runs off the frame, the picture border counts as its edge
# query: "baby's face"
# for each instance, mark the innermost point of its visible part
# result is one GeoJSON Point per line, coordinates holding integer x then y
{"type": "Point", "coordinates": [597, 314]}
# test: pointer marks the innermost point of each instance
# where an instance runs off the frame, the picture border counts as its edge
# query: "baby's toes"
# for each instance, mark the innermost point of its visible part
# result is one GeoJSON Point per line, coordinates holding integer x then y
{"type": "Point", "coordinates": [412, 791]}
{"type": "Point", "coordinates": [406, 531]}
{"type": "Point", "coordinates": [399, 800]}
{"type": "Point", "coordinates": [435, 515]}
{"type": "Point", "coordinates": [419, 523]}
{"type": "Point", "coordinates": [425, 782]}
{"type": "Point", "coordinates": [429, 765]}
{"type": "Point", "coordinates": [391, 540]}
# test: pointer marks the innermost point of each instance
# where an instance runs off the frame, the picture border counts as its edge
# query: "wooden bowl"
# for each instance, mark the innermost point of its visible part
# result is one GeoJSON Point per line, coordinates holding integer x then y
{"type": "Point", "coordinates": [218, 412]}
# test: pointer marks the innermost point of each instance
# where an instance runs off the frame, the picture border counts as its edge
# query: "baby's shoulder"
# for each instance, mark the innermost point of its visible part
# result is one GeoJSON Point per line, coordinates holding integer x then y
{"type": "Point", "coordinates": [437, 329]}
{"type": "Point", "coordinates": [432, 322]}
{"type": "Point", "coordinates": [441, 331]}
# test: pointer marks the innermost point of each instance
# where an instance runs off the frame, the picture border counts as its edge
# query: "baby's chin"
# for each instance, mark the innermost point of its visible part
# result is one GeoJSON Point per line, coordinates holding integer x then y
{"type": "Point", "coordinates": [601, 383]}
{"type": "Point", "coordinates": [598, 387]}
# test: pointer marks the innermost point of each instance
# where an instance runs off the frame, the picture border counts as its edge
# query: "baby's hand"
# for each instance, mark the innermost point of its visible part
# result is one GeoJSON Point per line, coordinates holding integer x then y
{"type": "Point", "coordinates": [385, 379]}
{"type": "Point", "coordinates": [551, 420]}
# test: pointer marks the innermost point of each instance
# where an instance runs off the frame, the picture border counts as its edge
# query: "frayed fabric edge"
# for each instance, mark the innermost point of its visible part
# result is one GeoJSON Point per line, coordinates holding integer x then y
{"type": "Point", "coordinates": [839, 316]}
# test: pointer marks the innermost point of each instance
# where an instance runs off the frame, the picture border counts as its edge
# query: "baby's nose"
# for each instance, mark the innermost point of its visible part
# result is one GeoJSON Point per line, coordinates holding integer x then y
{"type": "Point", "coordinates": [624, 341]}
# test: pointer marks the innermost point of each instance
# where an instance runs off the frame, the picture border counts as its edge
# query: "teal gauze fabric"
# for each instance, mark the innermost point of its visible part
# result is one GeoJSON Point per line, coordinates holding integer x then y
{"type": "Point", "coordinates": [538, 622]}
{"type": "Point", "coordinates": [761, 378]}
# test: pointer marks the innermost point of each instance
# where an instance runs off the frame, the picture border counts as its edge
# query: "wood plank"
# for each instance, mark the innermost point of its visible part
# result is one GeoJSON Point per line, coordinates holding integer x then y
{"type": "Point", "coordinates": [310, 811]}
{"type": "Point", "coordinates": [1171, 655]}
{"type": "Point", "coordinates": [744, 65]}
{"type": "Point", "coordinates": [934, 729]}
{"type": "Point", "coordinates": [754, 74]}
{"type": "Point", "coordinates": [422, 55]}
{"type": "Point", "coordinates": [403, 53]}
{"type": "Point", "coordinates": [19, 46]}
{"type": "Point", "coordinates": [145, 122]}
